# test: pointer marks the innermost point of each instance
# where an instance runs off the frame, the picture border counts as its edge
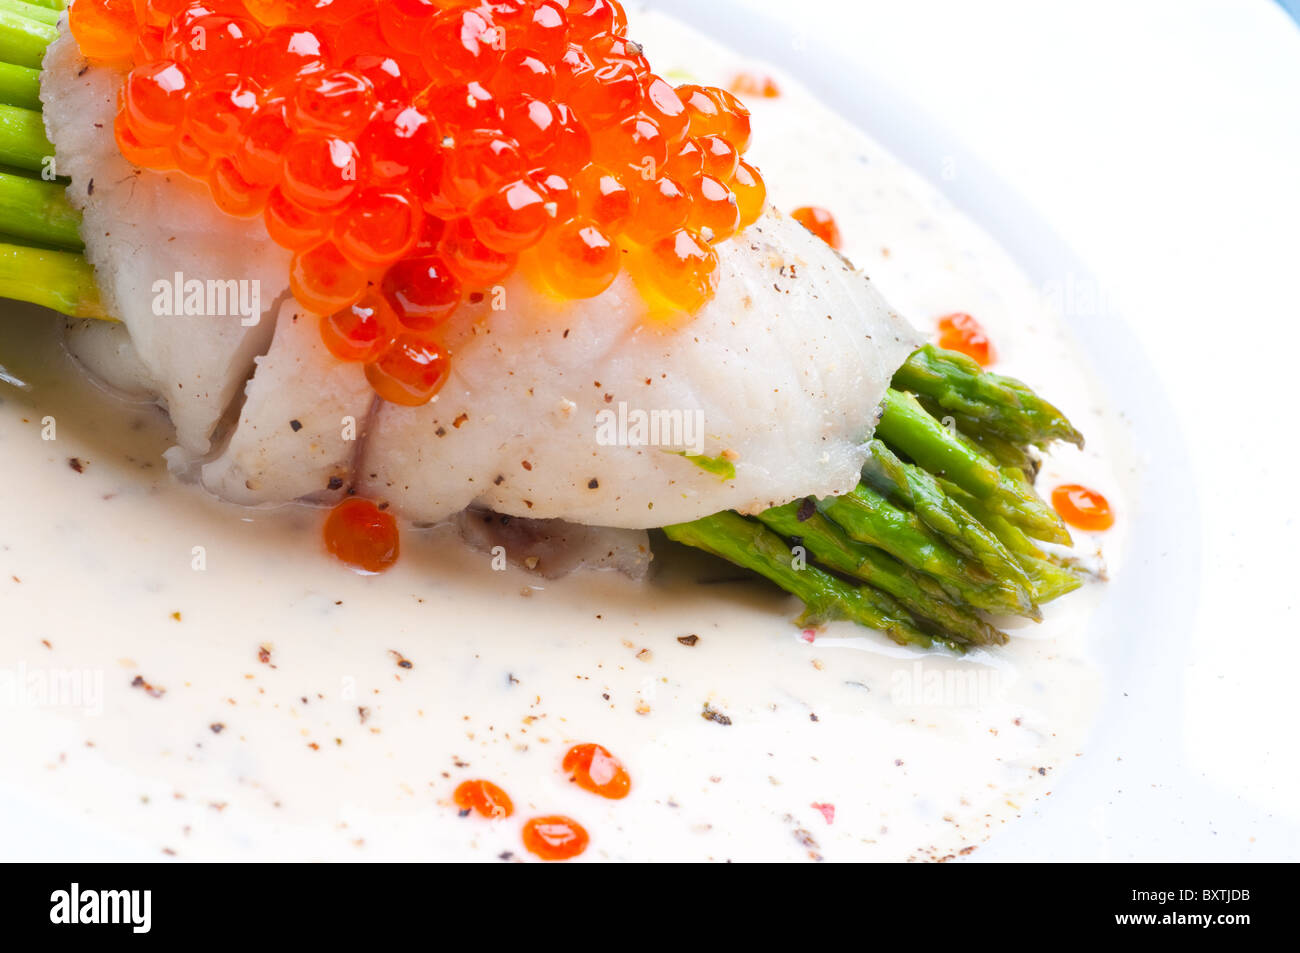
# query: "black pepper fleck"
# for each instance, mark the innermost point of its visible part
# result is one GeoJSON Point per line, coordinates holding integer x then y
{"type": "Point", "coordinates": [712, 714]}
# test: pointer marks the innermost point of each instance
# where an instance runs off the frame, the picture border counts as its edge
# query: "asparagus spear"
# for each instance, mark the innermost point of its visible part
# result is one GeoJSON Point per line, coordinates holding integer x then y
{"type": "Point", "coordinates": [999, 405]}
{"type": "Point", "coordinates": [22, 139]}
{"type": "Point", "coordinates": [867, 517]}
{"type": "Point", "coordinates": [20, 86]}
{"type": "Point", "coordinates": [826, 597]}
{"type": "Point", "coordinates": [1051, 580]}
{"type": "Point", "coordinates": [38, 211]}
{"type": "Point", "coordinates": [1002, 451]}
{"type": "Point", "coordinates": [23, 40]}
{"type": "Point", "coordinates": [905, 426]}
{"type": "Point", "coordinates": [60, 280]}
{"type": "Point", "coordinates": [830, 546]}
{"type": "Point", "coordinates": [913, 487]}
{"type": "Point", "coordinates": [31, 11]}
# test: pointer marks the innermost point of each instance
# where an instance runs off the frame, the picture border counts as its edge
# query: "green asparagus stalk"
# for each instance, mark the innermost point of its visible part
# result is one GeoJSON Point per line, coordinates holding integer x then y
{"type": "Point", "coordinates": [31, 209]}
{"type": "Point", "coordinates": [20, 86]}
{"type": "Point", "coordinates": [913, 487]}
{"type": "Point", "coordinates": [31, 11]}
{"type": "Point", "coordinates": [999, 449]}
{"type": "Point", "coordinates": [831, 547]}
{"type": "Point", "coordinates": [23, 144]}
{"type": "Point", "coordinates": [23, 40]}
{"type": "Point", "coordinates": [60, 280]}
{"type": "Point", "coordinates": [998, 405]}
{"type": "Point", "coordinates": [38, 211]}
{"type": "Point", "coordinates": [867, 517]}
{"type": "Point", "coordinates": [906, 427]}
{"type": "Point", "coordinates": [1051, 580]}
{"type": "Point", "coordinates": [55, 5]}
{"type": "Point", "coordinates": [753, 546]}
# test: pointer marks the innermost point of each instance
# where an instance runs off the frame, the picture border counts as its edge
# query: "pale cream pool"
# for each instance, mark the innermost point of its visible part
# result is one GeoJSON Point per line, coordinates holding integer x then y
{"type": "Point", "coordinates": [202, 680]}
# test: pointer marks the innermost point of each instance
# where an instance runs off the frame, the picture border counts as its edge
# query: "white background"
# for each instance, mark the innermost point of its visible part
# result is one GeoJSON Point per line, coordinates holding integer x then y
{"type": "Point", "coordinates": [1162, 140]}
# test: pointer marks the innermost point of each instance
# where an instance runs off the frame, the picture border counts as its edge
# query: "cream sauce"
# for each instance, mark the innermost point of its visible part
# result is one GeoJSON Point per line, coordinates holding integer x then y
{"type": "Point", "coordinates": [246, 698]}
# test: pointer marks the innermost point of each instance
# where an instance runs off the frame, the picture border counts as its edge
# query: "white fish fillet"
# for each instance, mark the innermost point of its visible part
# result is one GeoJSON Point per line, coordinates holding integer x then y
{"type": "Point", "coordinates": [295, 438]}
{"type": "Point", "coordinates": [785, 367]}
{"type": "Point", "coordinates": [105, 351]}
{"type": "Point", "coordinates": [141, 227]}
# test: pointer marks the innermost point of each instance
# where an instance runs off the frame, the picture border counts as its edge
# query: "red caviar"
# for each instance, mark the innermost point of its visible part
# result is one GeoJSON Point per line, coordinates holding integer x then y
{"type": "Point", "coordinates": [410, 371]}
{"type": "Point", "coordinates": [594, 769]}
{"type": "Point", "coordinates": [580, 260]}
{"type": "Point", "coordinates": [362, 331]}
{"type": "Point", "coordinates": [292, 226]}
{"type": "Point", "coordinates": [362, 535]}
{"type": "Point", "coordinates": [961, 332]}
{"type": "Point", "coordinates": [379, 226]}
{"type": "Point", "coordinates": [490, 133]}
{"type": "Point", "coordinates": [234, 194]}
{"type": "Point", "coordinates": [820, 222]}
{"type": "Point", "coordinates": [715, 211]}
{"type": "Point", "coordinates": [188, 156]}
{"type": "Point", "coordinates": [133, 150]}
{"type": "Point", "coordinates": [1083, 508]}
{"type": "Point", "coordinates": [483, 797]}
{"type": "Point", "coordinates": [604, 198]}
{"type": "Point", "coordinates": [512, 218]}
{"type": "Point", "coordinates": [153, 100]}
{"type": "Point", "coordinates": [751, 193]}
{"type": "Point", "coordinates": [754, 85]}
{"type": "Point", "coordinates": [719, 157]}
{"type": "Point", "coordinates": [686, 163]}
{"type": "Point", "coordinates": [104, 29]}
{"type": "Point", "coordinates": [336, 102]}
{"type": "Point", "coordinates": [216, 113]}
{"type": "Point", "coordinates": [682, 268]}
{"type": "Point", "coordinates": [264, 137]}
{"type": "Point", "coordinates": [662, 207]}
{"type": "Point", "coordinates": [422, 291]}
{"type": "Point", "coordinates": [555, 837]}
{"type": "Point", "coordinates": [323, 280]}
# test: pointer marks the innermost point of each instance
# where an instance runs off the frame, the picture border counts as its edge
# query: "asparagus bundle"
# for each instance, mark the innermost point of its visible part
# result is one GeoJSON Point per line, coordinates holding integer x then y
{"type": "Point", "coordinates": [942, 525]}
{"type": "Point", "coordinates": [39, 253]}
{"type": "Point", "coordinates": [939, 535]}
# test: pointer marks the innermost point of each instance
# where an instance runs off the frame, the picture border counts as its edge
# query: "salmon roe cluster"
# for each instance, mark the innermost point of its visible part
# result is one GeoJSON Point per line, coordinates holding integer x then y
{"type": "Point", "coordinates": [413, 152]}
